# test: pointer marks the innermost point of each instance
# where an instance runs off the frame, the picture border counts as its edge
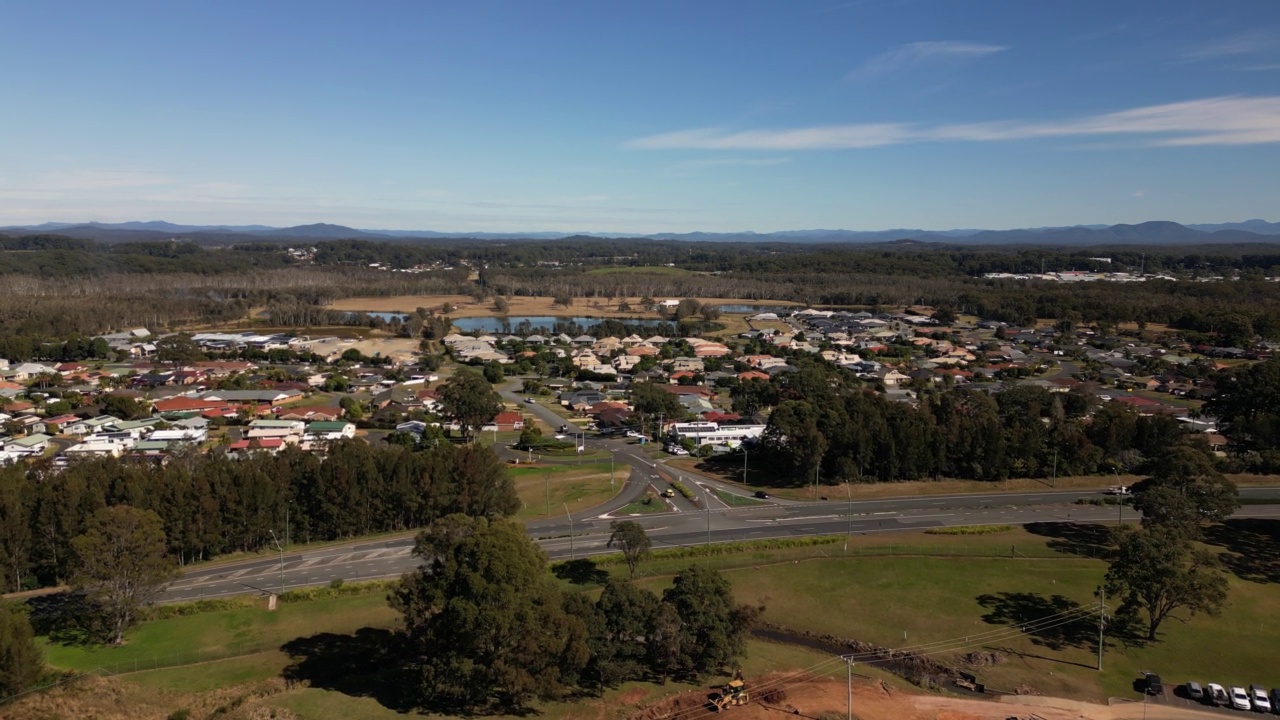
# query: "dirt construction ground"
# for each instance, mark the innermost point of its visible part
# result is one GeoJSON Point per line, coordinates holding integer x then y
{"type": "Point", "coordinates": [826, 699]}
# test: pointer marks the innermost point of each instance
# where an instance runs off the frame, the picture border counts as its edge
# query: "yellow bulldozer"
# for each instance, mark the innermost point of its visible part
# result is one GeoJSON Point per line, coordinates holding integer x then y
{"type": "Point", "coordinates": [732, 693]}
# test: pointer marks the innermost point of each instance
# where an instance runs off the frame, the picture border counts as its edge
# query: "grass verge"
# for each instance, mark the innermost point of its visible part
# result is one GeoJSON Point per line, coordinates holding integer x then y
{"type": "Point", "coordinates": [545, 490]}
{"type": "Point", "coordinates": [735, 500]}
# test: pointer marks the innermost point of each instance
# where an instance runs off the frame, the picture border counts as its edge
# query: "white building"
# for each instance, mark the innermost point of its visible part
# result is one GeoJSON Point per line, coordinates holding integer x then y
{"type": "Point", "coordinates": [710, 433]}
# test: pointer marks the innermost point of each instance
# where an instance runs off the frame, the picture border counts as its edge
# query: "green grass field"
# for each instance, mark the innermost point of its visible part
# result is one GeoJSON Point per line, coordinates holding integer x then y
{"type": "Point", "coordinates": [961, 592]}
{"type": "Point", "coordinates": [212, 635]}
{"type": "Point", "coordinates": [579, 486]}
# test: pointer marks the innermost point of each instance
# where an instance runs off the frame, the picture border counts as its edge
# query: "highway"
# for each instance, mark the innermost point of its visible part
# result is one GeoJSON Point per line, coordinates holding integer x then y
{"type": "Point", "coordinates": [686, 523]}
{"type": "Point", "coordinates": [590, 532]}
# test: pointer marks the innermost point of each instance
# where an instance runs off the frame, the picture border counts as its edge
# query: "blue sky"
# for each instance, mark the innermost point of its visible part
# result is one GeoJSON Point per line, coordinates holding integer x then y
{"type": "Point", "coordinates": [641, 117]}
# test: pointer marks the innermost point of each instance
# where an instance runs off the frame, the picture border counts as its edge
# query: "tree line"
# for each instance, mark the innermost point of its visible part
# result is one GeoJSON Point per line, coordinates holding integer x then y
{"type": "Point", "coordinates": [212, 504]}
{"type": "Point", "coordinates": [831, 428]}
{"type": "Point", "coordinates": [487, 628]}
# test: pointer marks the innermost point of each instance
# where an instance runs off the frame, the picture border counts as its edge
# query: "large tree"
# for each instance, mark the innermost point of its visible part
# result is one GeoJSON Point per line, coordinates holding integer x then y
{"type": "Point", "coordinates": [1246, 401]}
{"type": "Point", "coordinates": [178, 350]}
{"type": "Point", "coordinates": [484, 620]}
{"type": "Point", "coordinates": [121, 564]}
{"type": "Point", "coordinates": [1184, 491]}
{"type": "Point", "coordinates": [469, 399]}
{"type": "Point", "coordinates": [1157, 571]}
{"type": "Point", "coordinates": [712, 631]}
{"type": "Point", "coordinates": [652, 399]}
{"type": "Point", "coordinates": [21, 663]}
{"type": "Point", "coordinates": [629, 537]}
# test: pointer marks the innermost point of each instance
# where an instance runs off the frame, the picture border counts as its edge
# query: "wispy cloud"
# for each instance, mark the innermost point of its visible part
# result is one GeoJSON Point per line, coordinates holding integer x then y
{"type": "Point", "coordinates": [98, 179]}
{"type": "Point", "coordinates": [1211, 121]}
{"type": "Point", "coordinates": [740, 162]}
{"type": "Point", "coordinates": [920, 53]}
{"type": "Point", "coordinates": [1251, 42]}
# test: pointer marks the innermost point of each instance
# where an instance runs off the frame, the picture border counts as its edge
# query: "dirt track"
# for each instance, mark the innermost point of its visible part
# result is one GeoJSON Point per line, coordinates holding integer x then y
{"type": "Point", "coordinates": [826, 699]}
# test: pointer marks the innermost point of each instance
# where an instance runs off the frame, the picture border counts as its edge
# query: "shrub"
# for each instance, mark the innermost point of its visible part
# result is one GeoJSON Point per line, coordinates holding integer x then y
{"type": "Point", "coordinates": [969, 530]}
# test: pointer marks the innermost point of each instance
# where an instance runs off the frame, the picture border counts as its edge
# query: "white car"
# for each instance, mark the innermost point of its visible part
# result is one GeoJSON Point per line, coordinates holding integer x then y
{"type": "Point", "coordinates": [634, 434]}
{"type": "Point", "coordinates": [1240, 699]}
{"type": "Point", "coordinates": [1258, 695]}
{"type": "Point", "coordinates": [1118, 490]}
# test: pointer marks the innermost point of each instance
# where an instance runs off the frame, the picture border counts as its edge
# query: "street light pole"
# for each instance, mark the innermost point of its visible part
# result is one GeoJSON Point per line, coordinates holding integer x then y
{"type": "Point", "coordinates": [566, 514]}
{"type": "Point", "coordinates": [706, 497]}
{"type": "Point", "coordinates": [613, 455]}
{"type": "Point", "coordinates": [281, 549]}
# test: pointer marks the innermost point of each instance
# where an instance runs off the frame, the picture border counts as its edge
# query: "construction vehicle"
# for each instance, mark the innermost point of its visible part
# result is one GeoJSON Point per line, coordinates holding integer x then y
{"type": "Point", "coordinates": [732, 693]}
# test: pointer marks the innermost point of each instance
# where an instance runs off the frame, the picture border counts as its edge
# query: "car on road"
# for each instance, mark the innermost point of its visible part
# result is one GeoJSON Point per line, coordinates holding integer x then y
{"type": "Point", "coordinates": [668, 493]}
{"type": "Point", "coordinates": [634, 434]}
{"type": "Point", "coordinates": [762, 495]}
{"type": "Point", "coordinates": [675, 450]}
{"type": "Point", "coordinates": [1118, 490]}
{"type": "Point", "coordinates": [1217, 694]}
{"type": "Point", "coordinates": [1240, 699]}
{"type": "Point", "coordinates": [531, 401]}
{"type": "Point", "coordinates": [1258, 696]}
{"type": "Point", "coordinates": [1194, 691]}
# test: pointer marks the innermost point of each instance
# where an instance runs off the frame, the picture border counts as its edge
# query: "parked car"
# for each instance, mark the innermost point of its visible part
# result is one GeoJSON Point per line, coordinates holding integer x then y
{"type": "Point", "coordinates": [1155, 686]}
{"type": "Point", "coordinates": [1258, 696]}
{"type": "Point", "coordinates": [1217, 695]}
{"type": "Point", "coordinates": [634, 434]}
{"type": "Point", "coordinates": [1194, 691]}
{"type": "Point", "coordinates": [1240, 699]}
{"type": "Point", "coordinates": [1275, 699]}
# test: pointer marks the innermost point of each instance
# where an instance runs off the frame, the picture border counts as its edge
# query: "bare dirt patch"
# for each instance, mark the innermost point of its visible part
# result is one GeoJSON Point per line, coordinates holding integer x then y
{"type": "Point", "coordinates": [821, 698]}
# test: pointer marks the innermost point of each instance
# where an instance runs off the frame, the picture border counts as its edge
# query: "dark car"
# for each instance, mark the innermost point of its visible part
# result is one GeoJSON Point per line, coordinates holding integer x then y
{"type": "Point", "coordinates": [1155, 686]}
{"type": "Point", "coordinates": [762, 495]}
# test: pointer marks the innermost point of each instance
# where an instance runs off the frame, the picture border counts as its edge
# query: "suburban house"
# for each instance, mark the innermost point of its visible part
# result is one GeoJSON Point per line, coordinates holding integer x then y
{"type": "Point", "coordinates": [505, 422]}
{"type": "Point", "coordinates": [329, 430]}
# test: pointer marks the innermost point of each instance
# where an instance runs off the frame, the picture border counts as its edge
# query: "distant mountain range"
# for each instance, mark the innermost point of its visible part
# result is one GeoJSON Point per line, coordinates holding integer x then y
{"type": "Point", "coordinates": [1147, 233]}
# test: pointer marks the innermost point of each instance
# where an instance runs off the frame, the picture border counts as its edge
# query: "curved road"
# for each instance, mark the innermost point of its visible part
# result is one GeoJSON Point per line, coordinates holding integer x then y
{"type": "Point", "coordinates": [686, 523]}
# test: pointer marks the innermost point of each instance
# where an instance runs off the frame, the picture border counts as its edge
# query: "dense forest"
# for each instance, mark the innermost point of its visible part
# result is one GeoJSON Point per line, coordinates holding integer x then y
{"type": "Point", "coordinates": [212, 505]}
{"type": "Point", "coordinates": [52, 288]}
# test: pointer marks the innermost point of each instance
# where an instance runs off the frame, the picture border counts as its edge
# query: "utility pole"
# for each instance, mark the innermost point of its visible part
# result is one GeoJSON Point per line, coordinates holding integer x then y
{"type": "Point", "coordinates": [848, 660]}
{"type": "Point", "coordinates": [547, 479]}
{"type": "Point", "coordinates": [612, 456]}
{"type": "Point", "coordinates": [566, 514]}
{"type": "Point", "coordinates": [1102, 618]}
{"type": "Point", "coordinates": [848, 491]}
{"type": "Point", "coordinates": [1054, 481]}
{"type": "Point", "coordinates": [815, 482]}
{"type": "Point", "coordinates": [744, 463]}
{"type": "Point", "coordinates": [281, 549]}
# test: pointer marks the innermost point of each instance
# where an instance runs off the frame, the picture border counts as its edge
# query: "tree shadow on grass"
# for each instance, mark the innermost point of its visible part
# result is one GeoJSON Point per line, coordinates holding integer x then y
{"type": "Point", "coordinates": [1054, 622]}
{"type": "Point", "coordinates": [67, 618]}
{"type": "Point", "coordinates": [1072, 538]}
{"type": "Point", "coordinates": [580, 572]}
{"type": "Point", "coordinates": [1252, 547]}
{"type": "Point", "coordinates": [368, 663]}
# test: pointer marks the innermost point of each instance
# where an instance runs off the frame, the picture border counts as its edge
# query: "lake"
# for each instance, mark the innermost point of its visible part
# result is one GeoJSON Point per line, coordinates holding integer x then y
{"type": "Point", "coordinates": [546, 322]}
